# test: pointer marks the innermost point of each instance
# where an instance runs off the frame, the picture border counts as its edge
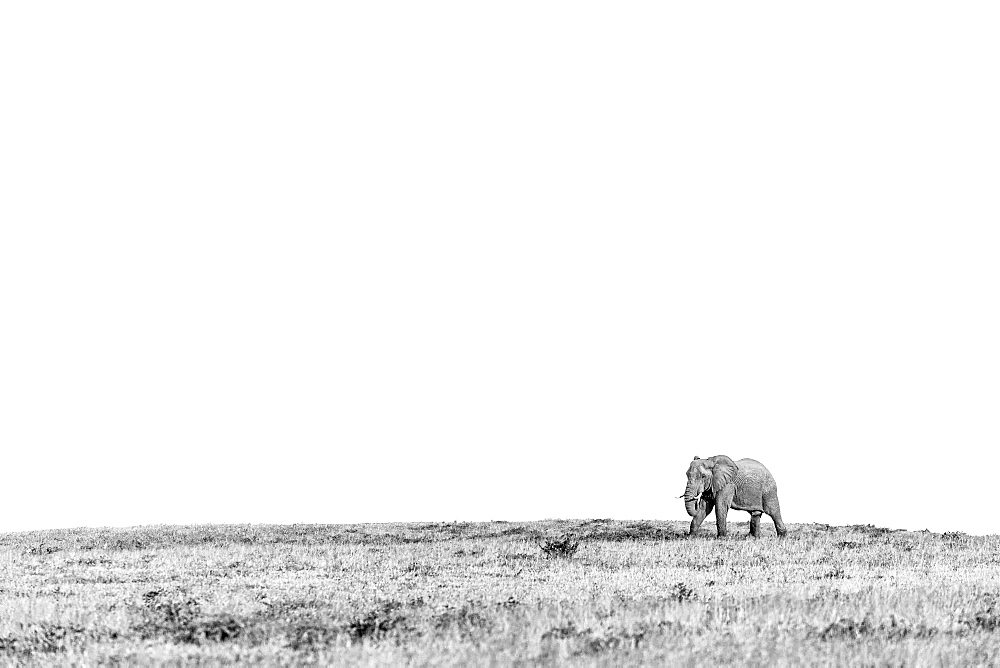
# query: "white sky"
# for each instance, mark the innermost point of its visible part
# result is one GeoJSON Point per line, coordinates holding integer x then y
{"type": "Point", "coordinates": [376, 261]}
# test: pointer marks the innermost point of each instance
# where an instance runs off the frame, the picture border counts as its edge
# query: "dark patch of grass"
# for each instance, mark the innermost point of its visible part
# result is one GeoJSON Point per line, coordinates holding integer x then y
{"type": "Point", "coordinates": [87, 561]}
{"type": "Point", "coordinates": [308, 626]}
{"type": "Point", "coordinates": [51, 638]}
{"type": "Point", "coordinates": [180, 620]}
{"type": "Point", "coordinates": [957, 537]}
{"type": "Point", "coordinates": [390, 539]}
{"type": "Point", "coordinates": [515, 559]}
{"type": "Point", "coordinates": [567, 630]}
{"type": "Point", "coordinates": [457, 529]}
{"type": "Point", "coordinates": [305, 624]}
{"type": "Point", "coordinates": [562, 547]}
{"type": "Point", "coordinates": [682, 593]}
{"type": "Point", "coordinates": [221, 628]}
{"type": "Point", "coordinates": [421, 570]}
{"type": "Point", "coordinates": [849, 545]}
{"type": "Point", "coordinates": [528, 533]}
{"type": "Point", "coordinates": [615, 639]}
{"type": "Point", "coordinates": [166, 615]}
{"type": "Point", "coordinates": [695, 565]}
{"type": "Point", "coordinates": [636, 531]}
{"type": "Point", "coordinates": [590, 642]}
{"type": "Point", "coordinates": [291, 611]}
{"type": "Point", "coordinates": [897, 628]}
{"type": "Point", "coordinates": [468, 621]}
{"type": "Point", "coordinates": [377, 623]}
{"type": "Point", "coordinates": [987, 617]}
{"type": "Point", "coordinates": [42, 638]}
{"type": "Point", "coordinates": [310, 636]}
{"type": "Point", "coordinates": [870, 530]}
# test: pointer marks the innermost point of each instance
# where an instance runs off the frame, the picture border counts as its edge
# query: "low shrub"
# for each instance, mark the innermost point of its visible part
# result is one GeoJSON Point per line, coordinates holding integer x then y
{"type": "Point", "coordinates": [986, 617]}
{"type": "Point", "coordinates": [179, 619]}
{"type": "Point", "coordinates": [467, 621]}
{"type": "Point", "coordinates": [42, 638]}
{"type": "Point", "coordinates": [562, 547]}
{"type": "Point", "coordinates": [377, 623]}
{"type": "Point", "coordinates": [895, 629]}
{"type": "Point", "coordinates": [682, 593]}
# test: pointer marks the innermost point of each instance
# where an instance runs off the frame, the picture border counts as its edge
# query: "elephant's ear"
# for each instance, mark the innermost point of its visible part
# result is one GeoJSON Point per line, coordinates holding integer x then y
{"type": "Point", "coordinates": [722, 473]}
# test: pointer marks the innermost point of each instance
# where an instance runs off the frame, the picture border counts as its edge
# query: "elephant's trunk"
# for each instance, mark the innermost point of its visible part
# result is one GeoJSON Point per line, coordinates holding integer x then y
{"type": "Point", "coordinates": [692, 497]}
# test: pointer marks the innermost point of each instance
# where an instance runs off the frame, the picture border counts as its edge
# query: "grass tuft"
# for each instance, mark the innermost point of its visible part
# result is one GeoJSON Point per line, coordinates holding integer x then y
{"type": "Point", "coordinates": [377, 623]}
{"type": "Point", "coordinates": [682, 593]}
{"type": "Point", "coordinates": [562, 547]}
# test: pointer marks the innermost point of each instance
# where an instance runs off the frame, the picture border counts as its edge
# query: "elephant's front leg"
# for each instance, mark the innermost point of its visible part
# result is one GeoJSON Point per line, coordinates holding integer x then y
{"type": "Point", "coordinates": [721, 510]}
{"type": "Point", "coordinates": [755, 523]}
{"type": "Point", "coordinates": [701, 512]}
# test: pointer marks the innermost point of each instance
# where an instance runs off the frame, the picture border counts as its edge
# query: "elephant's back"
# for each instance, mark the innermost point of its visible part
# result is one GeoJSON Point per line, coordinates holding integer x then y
{"type": "Point", "coordinates": [751, 463]}
{"type": "Point", "coordinates": [750, 470]}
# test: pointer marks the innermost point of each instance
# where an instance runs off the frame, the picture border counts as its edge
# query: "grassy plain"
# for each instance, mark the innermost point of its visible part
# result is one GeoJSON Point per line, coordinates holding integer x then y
{"type": "Point", "coordinates": [487, 593]}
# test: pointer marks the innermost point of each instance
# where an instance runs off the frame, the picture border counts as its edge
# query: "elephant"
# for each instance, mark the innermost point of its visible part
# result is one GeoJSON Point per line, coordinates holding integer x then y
{"type": "Point", "coordinates": [719, 483]}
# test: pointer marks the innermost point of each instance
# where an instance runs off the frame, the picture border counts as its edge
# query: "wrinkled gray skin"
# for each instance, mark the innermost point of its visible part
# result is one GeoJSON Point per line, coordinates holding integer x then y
{"type": "Point", "coordinates": [719, 483]}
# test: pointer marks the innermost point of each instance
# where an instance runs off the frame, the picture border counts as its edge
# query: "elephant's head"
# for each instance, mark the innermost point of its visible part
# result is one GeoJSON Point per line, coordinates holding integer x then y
{"type": "Point", "coordinates": [707, 475]}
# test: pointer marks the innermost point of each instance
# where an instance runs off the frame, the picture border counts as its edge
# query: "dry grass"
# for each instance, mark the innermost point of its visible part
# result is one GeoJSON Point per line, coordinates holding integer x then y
{"type": "Point", "coordinates": [458, 594]}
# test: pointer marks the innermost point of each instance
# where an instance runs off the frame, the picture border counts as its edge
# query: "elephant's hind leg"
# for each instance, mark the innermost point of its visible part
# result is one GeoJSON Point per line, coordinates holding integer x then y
{"type": "Point", "coordinates": [755, 523]}
{"type": "Point", "coordinates": [773, 508]}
